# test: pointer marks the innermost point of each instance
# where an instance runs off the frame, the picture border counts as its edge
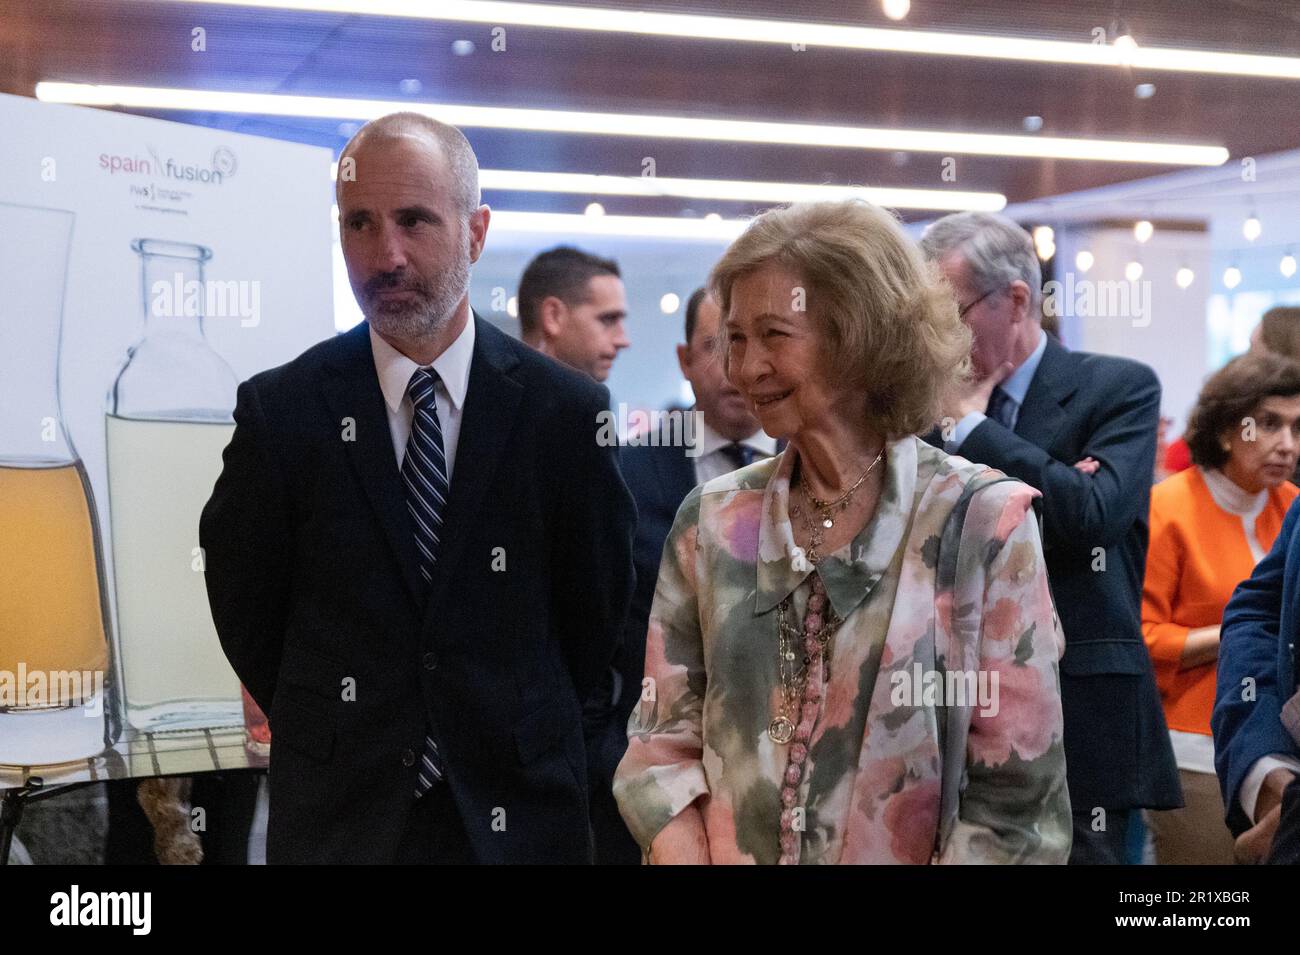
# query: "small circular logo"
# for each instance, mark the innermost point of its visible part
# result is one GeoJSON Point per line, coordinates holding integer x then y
{"type": "Point", "coordinates": [224, 162]}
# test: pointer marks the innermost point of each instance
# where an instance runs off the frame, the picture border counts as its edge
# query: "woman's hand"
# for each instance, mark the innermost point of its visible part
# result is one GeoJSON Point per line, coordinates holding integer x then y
{"type": "Point", "coordinates": [1202, 647]}
{"type": "Point", "coordinates": [683, 841]}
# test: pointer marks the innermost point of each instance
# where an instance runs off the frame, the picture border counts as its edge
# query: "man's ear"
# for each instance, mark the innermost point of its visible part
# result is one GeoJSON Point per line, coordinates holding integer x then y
{"type": "Point", "coordinates": [552, 314]}
{"type": "Point", "coordinates": [684, 360]}
{"type": "Point", "coordinates": [1020, 299]}
{"type": "Point", "coordinates": [478, 228]}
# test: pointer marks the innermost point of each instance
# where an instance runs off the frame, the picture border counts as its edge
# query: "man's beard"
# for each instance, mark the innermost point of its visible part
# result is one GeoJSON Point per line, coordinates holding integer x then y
{"type": "Point", "coordinates": [428, 312]}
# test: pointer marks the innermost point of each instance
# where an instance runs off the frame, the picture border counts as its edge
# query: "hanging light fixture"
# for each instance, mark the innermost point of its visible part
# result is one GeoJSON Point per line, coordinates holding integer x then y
{"type": "Point", "coordinates": [1133, 271]}
{"type": "Point", "coordinates": [1184, 277]}
{"type": "Point", "coordinates": [1143, 230]}
{"type": "Point", "coordinates": [1251, 228]}
{"type": "Point", "coordinates": [1231, 277]}
{"type": "Point", "coordinates": [1287, 265]}
{"type": "Point", "coordinates": [1084, 260]}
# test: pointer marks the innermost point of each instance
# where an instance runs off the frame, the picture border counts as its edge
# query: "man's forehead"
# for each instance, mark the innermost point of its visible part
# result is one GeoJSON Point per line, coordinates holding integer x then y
{"type": "Point", "coordinates": [606, 288]}
{"type": "Point", "coordinates": [708, 314]}
{"type": "Point", "coordinates": [407, 167]}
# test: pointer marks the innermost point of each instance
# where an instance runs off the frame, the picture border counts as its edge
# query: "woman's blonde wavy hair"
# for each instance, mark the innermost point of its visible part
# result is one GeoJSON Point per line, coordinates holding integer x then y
{"type": "Point", "coordinates": [887, 318]}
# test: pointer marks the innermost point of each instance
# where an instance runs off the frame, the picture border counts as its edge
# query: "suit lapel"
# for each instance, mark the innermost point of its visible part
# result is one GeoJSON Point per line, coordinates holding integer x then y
{"type": "Point", "coordinates": [677, 471]}
{"type": "Point", "coordinates": [352, 392]}
{"type": "Point", "coordinates": [1043, 411]}
{"type": "Point", "coordinates": [485, 427]}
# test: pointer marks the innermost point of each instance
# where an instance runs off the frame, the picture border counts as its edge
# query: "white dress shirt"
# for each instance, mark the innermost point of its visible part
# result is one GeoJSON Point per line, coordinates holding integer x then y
{"type": "Point", "coordinates": [712, 462]}
{"type": "Point", "coordinates": [395, 370]}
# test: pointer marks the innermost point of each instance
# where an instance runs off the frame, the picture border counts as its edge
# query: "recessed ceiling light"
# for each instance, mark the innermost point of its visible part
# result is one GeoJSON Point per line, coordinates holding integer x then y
{"type": "Point", "coordinates": [1083, 261]}
{"type": "Point", "coordinates": [1133, 271]}
{"type": "Point", "coordinates": [1184, 277]}
{"type": "Point", "coordinates": [1232, 276]}
{"type": "Point", "coordinates": [410, 87]}
{"type": "Point", "coordinates": [1144, 90]}
{"type": "Point", "coordinates": [1143, 230]}
{"type": "Point", "coordinates": [594, 209]}
{"type": "Point", "coordinates": [1287, 265]}
{"type": "Point", "coordinates": [669, 303]}
{"type": "Point", "coordinates": [779, 32]}
{"type": "Point", "coordinates": [1032, 124]}
{"type": "Point", "coordinates": [642, 126]}
{"type": "Point", "coordinates": [896, 9]}
{"type": "Point", "coordinates": [462, 47]}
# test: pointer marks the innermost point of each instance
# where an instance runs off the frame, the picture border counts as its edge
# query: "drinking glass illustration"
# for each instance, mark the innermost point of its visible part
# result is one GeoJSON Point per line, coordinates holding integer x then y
{"type": "Point", "coordinates": [169, 416]}
{"type": "Point", "coordinates": [55, 704]}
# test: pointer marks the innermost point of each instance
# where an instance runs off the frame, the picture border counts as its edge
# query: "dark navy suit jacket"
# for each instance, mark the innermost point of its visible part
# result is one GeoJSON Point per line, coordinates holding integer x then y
{"type": "Point", "coordinates": [1117, 748]}
{"type": "Point", "coordinates": [313, 581]}
{"type": "Point", "coordinates": [1257, 642]}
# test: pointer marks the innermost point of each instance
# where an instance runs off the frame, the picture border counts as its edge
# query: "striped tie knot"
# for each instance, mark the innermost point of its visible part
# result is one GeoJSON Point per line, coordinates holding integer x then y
{"type": "Point", "coordinates": [420, 388]}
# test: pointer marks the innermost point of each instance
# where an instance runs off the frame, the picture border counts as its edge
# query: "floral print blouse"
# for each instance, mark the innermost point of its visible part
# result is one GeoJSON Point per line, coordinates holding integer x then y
{"type": "Point", "coordinates": [874, 773]}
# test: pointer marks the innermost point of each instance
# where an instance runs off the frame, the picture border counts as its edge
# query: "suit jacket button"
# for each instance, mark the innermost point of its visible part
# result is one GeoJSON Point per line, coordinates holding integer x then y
{"type": "Point", "coordinates": [408, 757]}
{"type": "Point", "coordinates": [430, 661]}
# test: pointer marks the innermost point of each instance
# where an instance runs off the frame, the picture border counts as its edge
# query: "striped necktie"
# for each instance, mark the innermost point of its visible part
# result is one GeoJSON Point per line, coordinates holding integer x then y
{"type": "Point", "coordinates": [424, 472]}
{"type": "Point", "coordinates": [740, 455]}
{"type": "Point", "coordinates": [1002, 408]}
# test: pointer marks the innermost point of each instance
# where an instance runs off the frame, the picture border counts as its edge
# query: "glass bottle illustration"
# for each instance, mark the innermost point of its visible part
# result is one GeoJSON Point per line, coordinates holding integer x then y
{"type": "Point", "coordinates": [169, 417]}
{"type": "Point", "coordinates": [55, 699]}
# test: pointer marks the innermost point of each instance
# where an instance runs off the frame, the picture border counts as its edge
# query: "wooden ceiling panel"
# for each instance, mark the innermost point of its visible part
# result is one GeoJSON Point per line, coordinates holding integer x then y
{"type": "Point", "coordinates": [138, 42]}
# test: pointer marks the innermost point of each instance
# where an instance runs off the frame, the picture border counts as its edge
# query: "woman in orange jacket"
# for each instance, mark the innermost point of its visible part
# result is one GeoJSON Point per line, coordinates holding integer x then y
{"type": "Point", "coordinates": [1210, 525]}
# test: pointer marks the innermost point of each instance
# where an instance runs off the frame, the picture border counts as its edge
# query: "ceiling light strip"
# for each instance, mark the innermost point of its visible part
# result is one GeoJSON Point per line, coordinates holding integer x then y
{"type": "Point", "coordinates": [787, 32]}
{"type": "Point", "coordinates": [628, 124]}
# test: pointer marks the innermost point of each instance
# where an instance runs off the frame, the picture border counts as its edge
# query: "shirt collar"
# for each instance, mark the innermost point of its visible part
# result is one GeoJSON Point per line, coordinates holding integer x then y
{"type": "Point", "coordinates": [848, 574]}
{"type": "Point", "coordinates": [395, 369]}
{"type": "Point", "coordinates": [1229, 495]}
{"type": "Point", "coordinates": [711, 441]}
{"type": "Point", "coordinates": [1017, 384]}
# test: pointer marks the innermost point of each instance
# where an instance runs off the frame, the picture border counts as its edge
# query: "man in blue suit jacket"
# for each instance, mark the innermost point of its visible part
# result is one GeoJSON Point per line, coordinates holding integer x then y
{"type": "Point", "coordinates": [1256, 756]}
{"type": "Point", "coordinates": [1037, 412]}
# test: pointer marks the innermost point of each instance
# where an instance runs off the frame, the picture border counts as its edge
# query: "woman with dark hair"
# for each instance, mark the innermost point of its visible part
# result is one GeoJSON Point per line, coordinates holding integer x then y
{"type": "Point", "coordinates": [1278, 333]}
{"type": "Point", "coordinates": [1210, 525]}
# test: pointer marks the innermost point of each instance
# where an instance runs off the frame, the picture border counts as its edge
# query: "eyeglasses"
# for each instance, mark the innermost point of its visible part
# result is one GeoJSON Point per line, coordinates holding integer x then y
{"type": "Point", "coordinates": [962, 310]}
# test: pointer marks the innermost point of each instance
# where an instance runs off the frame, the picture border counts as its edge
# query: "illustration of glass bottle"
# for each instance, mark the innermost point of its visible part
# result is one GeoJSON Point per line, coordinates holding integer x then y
{"type": "Point", "coordinates": [55, 676]}
{"type": "Point", "coordinates": [169, 417]}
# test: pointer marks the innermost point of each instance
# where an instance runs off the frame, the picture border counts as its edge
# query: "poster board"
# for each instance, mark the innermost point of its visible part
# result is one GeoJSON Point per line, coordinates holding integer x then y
{"type": "Point", "coordinates": [204, 257]}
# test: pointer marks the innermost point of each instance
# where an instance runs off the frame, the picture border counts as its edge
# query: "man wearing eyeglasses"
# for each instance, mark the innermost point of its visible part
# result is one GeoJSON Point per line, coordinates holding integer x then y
{"type": "Point", "coordinates": [1082, 429]}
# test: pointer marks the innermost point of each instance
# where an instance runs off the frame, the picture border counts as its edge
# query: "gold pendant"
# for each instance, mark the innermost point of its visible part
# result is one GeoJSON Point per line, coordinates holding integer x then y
{"type": "Point", "coordinates": [781, 730]}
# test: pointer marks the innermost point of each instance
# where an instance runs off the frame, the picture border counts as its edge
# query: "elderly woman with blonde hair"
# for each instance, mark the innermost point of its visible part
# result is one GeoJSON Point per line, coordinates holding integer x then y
{"type": "Point", "coordinates": [852, 651]}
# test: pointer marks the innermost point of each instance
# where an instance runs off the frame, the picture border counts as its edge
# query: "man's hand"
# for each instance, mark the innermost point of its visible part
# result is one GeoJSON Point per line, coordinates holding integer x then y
{"type": "Point", "coordinates": [1253, 846]}
{"type": "Point", "coordinates": [974, 395]}
{"type": "Point", "coordinates": [1087, 465]}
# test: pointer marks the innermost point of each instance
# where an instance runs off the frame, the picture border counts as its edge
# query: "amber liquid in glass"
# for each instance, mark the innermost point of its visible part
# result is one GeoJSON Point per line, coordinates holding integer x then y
{"type": "Point", "coordinates": [51, 616]}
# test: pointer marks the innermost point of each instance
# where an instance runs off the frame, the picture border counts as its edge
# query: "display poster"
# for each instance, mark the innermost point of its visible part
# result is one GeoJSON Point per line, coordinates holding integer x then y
{"type": "Point", "coordinates": [146, 268]}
